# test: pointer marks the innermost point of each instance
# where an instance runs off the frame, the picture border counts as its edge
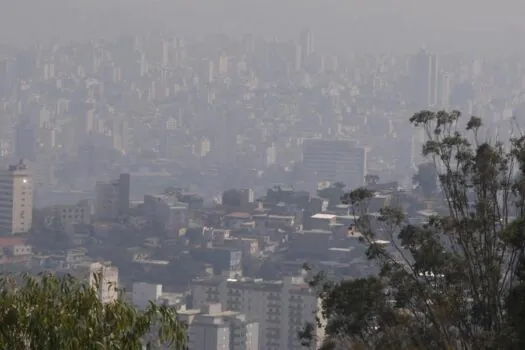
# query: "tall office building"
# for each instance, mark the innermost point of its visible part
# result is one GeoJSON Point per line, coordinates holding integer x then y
{"type": "Point", "coordinates": [307, 43]}
{"type": "Point", "coordinates": [281, 308]}
{"type": "Point", "coordinates": [334, 160]}
{"type": "Point", "coordinates": [165, 54]}
{"type": "Point", "coordinates": [25, 139]}
{"type": "Point", "coordinates": [86, 124]}
{"type": "Point", "coordinates": [445, 88]}
{"type": "Point", "coordinates": [209, 72]}
{"type": "Point", "coordinates": [26, 64]}
{"type": "Point", "coordinates": [424, 73]}
{"type": "Point", "coordinates": [297, 56]}
{"type": "Point", "coordinates": [16, 199]}
{"type": "Point", "coordinates": [42, 171]}
{"type": "Point", "coordinates": [144, 65]}
{"type": "Point", "coordinates": [212, 328]}
{"type": "Point", "coordinates": [477, 68]}
{"type": "Point", "coordinates": [120, 135]}
{"type": "Point", "coordinates": [271, 155]}
{"type": "Point", "coordinates": [223, 65]}
{"type": "Point", "coordinates": [248, 43]}
{"type": "Point", "coordinates": [433, 80]}
{"type": "Point", "coordinates": [46, 137]}
{"type": "Point", "coordinates": [112, 198]}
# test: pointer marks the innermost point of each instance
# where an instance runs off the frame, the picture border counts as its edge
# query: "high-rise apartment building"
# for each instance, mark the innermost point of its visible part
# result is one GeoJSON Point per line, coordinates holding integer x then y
{"type": "Point", "coordinates": [144, 65]}
{"type": "Point", "coordinates": [212, 328]}
{"type": "Point", "coordinates": [433, 80]}
{"type": "Point", "coordinates": [209, 72]}
{"type": "Point", "coordinates": [281, 308]}
{"type": "Point", "coordinates": [16, 199]}
{"type": "Point", "coordinates": [223, 65]}
{"type": "Point", "coordinates": [445, 89]}
{"type": "Point", "coordinates": [297, 56]}
{"type": "Point", "coordinates": [25, 139]}
{"type": "Point", "coordinates": [120, 135]}
{"type": "Point", "coordinates": [334, 160]}
{"type": "Point", "coordinates": [425, 76]}
{"type": "Point", "coordinates": [271, 155]}
{"type": "Point", "coordinates": [112, 198]}
{"type": "Point", "coordinates": [165, 54]}
{"type": "Point", "coordinates": [307, 43]}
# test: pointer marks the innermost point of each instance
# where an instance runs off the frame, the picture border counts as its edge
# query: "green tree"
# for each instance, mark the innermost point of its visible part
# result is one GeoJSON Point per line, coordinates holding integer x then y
{"type": "Point", "coordinates": [49, 313]}
{"type": "Point", "coordinates": [455, 282]}
{"type": "Point", "coordinates": [426, 178]}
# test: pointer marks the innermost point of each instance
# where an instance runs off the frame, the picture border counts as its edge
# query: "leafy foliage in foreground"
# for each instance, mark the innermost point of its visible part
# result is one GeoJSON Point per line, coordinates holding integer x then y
{"type": "Point", "coordinates": [49, 313]}
{"type": "Point", "coordinates": [456, 281]}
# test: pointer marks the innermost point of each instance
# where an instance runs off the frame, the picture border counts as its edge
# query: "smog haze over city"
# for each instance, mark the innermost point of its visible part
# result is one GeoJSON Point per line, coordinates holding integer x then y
{"type": "Point", "coordinates": [139, 136]}
{"type": "Point", "coordinates": [343, 26]}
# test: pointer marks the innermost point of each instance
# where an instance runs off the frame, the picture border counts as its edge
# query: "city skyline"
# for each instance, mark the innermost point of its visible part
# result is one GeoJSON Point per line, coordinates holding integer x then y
{"type": "Point", "coordinates": [203, 156]}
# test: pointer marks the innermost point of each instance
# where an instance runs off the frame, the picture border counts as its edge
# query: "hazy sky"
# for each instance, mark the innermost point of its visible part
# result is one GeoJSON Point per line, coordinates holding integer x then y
{"type": "Point", "coordinates": [345, 25]}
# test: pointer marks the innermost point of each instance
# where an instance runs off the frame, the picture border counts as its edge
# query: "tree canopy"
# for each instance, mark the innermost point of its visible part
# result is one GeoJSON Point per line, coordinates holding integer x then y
{"type": "Point", "coordinates": [454, 282]}
{"type": "Point", "coordinates": [426, 178]}
{"type": "Point", "coordinates": [48, 312]}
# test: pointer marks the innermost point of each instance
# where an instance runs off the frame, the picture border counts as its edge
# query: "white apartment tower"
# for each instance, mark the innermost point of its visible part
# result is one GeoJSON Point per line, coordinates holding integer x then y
{"type": "Point", "coordinates": [425, 75]}
{"type": "Point", "coordinates": [307, 43]}
{"type": "Point", "coordinates": [16, 199]}
{"type": "Point", "coordinates": [445, 87]}
{"type": "Point", "coordinates": [107, 275]}
{"type": "Point", "coordinates": [281, 308]}
{"type": "Point", "coordinates": [334, 160]}
{"type": "Point", "coordinates": [211, 328]}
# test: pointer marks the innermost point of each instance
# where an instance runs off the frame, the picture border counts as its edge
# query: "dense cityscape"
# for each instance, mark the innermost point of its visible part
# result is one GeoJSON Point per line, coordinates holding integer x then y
{"type": "Point", "coordinates": [204, 174]}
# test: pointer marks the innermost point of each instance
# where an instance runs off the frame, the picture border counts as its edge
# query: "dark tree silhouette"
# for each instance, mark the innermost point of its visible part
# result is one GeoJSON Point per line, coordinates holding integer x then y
{"type": "Point", "coordinates": [456, 282]}
{"type": "Point", "coordinates": [426, 178]}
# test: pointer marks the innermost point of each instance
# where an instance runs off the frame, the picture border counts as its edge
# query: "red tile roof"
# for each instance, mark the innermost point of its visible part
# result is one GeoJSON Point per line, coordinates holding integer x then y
{"type": "Point", "coordinates": [11, 241]}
